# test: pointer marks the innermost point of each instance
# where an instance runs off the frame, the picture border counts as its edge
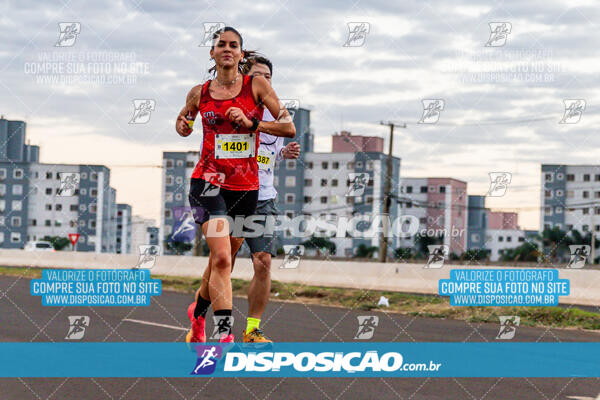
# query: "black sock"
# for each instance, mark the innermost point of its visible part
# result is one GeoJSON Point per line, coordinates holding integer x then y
{"type": "Point", "coordinates": [225, 321]}
{"type": "Point", "coordinates": [201, 307]}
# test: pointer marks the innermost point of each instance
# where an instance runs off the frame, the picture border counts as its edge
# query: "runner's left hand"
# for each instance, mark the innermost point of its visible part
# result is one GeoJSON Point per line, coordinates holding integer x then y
{"type": "Point", "coordinates": [236, 115]}
{"type": "Point", "coordinates": [291, 151]}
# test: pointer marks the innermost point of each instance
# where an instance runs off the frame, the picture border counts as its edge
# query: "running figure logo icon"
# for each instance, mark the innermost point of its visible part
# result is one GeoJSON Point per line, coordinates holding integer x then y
{"type": "Point", "coordinates": [499, 182]}
{"type": "Point", "coordinates": [579, 254]}
{"type": "Point", "coordinates": [77, 325]}
{"type": "Point", "coordinates": [574, 109]}
{"type": "Point", "coordinates": [69, 182]}
{"type": "Point", "coordinates": [223, 324]}
{"type": "Point", "coordinates": [211, 187]}
{"type": "Point", "coordinates": [184, 228]}
{"type": "Point", "coordinates": [142, 109]}
{"type": "Point", "coordinates": [366, 326]}
{"type": "Point", "coordinates": [437, 254]}
{"type": "Point", "coordinates": [292, 105]}
{"type": "Point", "coordinates": [292, 256]}
{"type": "Point", "coordinates": [499, 32]}
{"type": "Point", "coordinates": [148, 254]}
{"type": "Point", "coordinates": [357, 33]}
{"type": "Point", "coordinates": [207, 359]}
{"type": "Point", "coordinates": [358, 184]}
{"type": "Point", "coordinates": [432, 109]}
{"type": "Point", "coordinates": [508, 326]}
{"type": "Point", "coordinates": [68, 33]}
{"type": "Point", "coordinates": [210, 28]}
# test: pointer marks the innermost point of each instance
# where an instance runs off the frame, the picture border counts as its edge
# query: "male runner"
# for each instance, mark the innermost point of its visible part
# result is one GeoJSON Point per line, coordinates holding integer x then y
{"type": "Point", "coordinates": [264, 247]}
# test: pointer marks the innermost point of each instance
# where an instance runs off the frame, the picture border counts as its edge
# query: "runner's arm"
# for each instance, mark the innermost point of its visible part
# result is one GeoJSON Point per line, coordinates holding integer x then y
{"type": "Point", "coordinates": [283, 125]}
{"type": "Point", "coordinates": [191, 106]}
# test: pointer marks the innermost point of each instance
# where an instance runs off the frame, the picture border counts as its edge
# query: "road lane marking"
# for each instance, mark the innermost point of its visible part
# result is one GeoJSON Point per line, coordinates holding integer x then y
{"type": "Point", "coordinates": [137, 321]}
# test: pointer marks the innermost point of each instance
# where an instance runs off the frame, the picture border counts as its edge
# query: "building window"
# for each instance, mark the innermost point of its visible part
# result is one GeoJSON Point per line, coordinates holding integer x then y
{"type": "Point", "coordinates": [94, 176]}
{"type": "Point", "coordinates": [359, 164]}
{"type": "Point", "coordinates": [597, 178]}
{"type": "Point", "coordinates": [334, 182]}
{"type": "Point", "coordinates": [18, 174]}
{"type": "Point", "coordinates": [509, 238]}
{"type": "Point", "coordinates": [179, 180]}
{"type": "Point", "coordinates": [48, 175]}
{"type": "Point", "coordinates": [323, 182]}
{"type": "Point", "coordinates": [548, 177]}
{"type": "Point", "coordinates": [570, 177]}
{"type": "Point", "coordinates": [82, 223]}
{"type": "Point", "coordinates": [350, 165]}
{"type": "Point", "coordinates": [2, 173]}
{"type": "Point", "coordinates": [48, 207]}
{"type": "Point", "coordinates": [597, 195]}
{"type": "Point", "coordinates": [93, 208]}
{"type": "Point", "coordinates": [586, 194]}
{"type": "Point", "coordinates": [559, 193]}
{"type": "Point", "coordinates": [84, 175]}
{"type": "Point", "coordinates": [15, 222]}
{"type": "Point", "coordinates": [73, 207]}
{"type": "Point", "coordinates": [33, 222]}
{"type": "Point", "coordinates": [324, 165]}
{"type": "Point", "coordinates": [475, 237]}
{"type": "Point", "coordinates": [58, 207]}
{"type": "Point", "coordinates": [548, 210]}
{"type": "Point", "coordinates": [49, 191]}
{"type": "Point", "coordinates": [15, 237]}
{"type": "Point", "coordinates": [180, 163]}
{"type": "Point", "coordinates": [290, 164]}
{"type": "Point", "coordinates": [442, 189]}
{"type": "Point", "coordinates": [308, 182]}
{"type": "Point", "coordinates": [586, 177]}
{"type": "Point", "coordinates": [169, 163]}
{"type": "Point", "coordinates": [323, 199]}
{"type": "Point", "coordinates": [290, 181]}
{"type": "Point", "coordinates": [585, 228]}
{"type": "Point", "coordinates": [17, 205]}
{"type": "Point", "coordinates": [178, 197]}
{"type": "Point", "coordinates": [560, 176]}
{"type": "Point", "coordinates": [369, 199]}
{"type": "Point", "coordinates": [585, 211]}
{"type": "Point", "coordinates": [501, 238]}
{"type": "Point", "coordinates": [309, 165]}
{"type": "Point", "coordinates": [307, 199]}
{"type": "Point", "coordinates": [169, 180]}
{"type": "Point", "coordinates": [409, 189]}
{"type": "Point", "coordinates": [167, 214]}
{"type": "Point", "coordinates": [94, 192]}
{"type": "Point", "coordinates": [48, 222]}
{"type": "Point", "coordinates": [335, 165]}
{"type": "Point", "coordinates": [169, 197]}
{"type": "Point", "coordinates": [559, 210]}
{"type": "Point", "coordinates": [17, 190]}
{"type": "Point", "coordinates": [84, 192]}
{"type": "Point", "coordinates": [423, 189]}
{"type": "Point", "coordinates": [597, 210]}
{"type": "Point", "coordinates": [289, 199]}
{"type": "Point", "coordinates": [92, 224]}
{"type": "Point", "coordinates": [189, 164]}
{"type": "Point", "coordinates": [570, 194]}
{"type": "Point", "coordinates": [370, 165]}
{"type": "Point", "coordinates": [548, 194]}
{"type": "Point", "coordinates": [57, 223]}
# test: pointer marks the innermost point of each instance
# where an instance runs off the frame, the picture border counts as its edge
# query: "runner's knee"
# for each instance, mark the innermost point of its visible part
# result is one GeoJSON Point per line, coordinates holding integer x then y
{"type": "Point", "coordinates": [221, 259]}
{"type": "Point", "coordinates": [262, 264]}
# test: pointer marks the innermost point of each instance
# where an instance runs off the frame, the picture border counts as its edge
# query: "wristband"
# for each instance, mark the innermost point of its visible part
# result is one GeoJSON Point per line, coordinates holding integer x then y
{"type": "Point", "coordinates": [255, 123]}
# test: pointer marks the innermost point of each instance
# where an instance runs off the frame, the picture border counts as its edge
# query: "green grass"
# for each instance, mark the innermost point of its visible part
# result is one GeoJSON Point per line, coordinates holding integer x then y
{"type": "Point", "coordinates": [429, 306]}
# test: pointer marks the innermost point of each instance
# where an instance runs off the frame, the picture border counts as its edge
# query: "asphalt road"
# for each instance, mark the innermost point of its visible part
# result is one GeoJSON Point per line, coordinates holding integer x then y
{"type": "Point", "coordinates": [24, 319]}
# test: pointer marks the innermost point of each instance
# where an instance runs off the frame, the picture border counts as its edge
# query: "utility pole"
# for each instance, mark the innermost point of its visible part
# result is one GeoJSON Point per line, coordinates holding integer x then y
{"type": "Point", "coordinates": [387, 193]}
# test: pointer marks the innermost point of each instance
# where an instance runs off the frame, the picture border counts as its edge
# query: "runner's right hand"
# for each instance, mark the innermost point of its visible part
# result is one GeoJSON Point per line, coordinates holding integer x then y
{"type": "Point", "coordinates": [182, 126]}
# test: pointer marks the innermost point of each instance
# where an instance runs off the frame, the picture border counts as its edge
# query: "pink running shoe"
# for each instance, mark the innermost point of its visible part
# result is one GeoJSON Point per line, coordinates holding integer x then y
{"type": "Point", "coordinates": [196, 333]}
{"type": "Point", "coordinates": [227, 338]}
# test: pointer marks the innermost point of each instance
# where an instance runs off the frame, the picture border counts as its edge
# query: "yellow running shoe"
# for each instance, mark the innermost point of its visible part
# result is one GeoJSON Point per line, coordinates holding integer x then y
{"type": "Point", "coordinates": [255, 336]}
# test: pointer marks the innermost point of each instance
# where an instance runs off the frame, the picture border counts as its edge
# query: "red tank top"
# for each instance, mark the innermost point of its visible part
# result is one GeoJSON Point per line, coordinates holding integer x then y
{"type": "Point", "coordinates": [227, 147]}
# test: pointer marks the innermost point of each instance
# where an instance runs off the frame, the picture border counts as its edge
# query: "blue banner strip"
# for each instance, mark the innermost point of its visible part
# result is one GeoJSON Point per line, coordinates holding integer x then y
{"type": "Point", "coordinates": [355, 359]}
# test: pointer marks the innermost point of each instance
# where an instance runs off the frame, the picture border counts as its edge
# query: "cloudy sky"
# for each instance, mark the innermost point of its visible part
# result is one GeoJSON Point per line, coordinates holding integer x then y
{"type": "Point", "coordinates": [502, 103]}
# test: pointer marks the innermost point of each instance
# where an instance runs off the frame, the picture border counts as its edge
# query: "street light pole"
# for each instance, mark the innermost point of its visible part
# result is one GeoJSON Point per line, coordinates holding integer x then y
{"type": "Point", "coordinates": [387, 192]}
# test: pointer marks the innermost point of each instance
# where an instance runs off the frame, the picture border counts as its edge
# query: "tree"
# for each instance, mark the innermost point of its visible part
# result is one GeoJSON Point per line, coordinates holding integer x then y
{"type": "Point", "coordinates": [178, 247]}
{"type": "Point", "coordinates": [57, 242]}
{"type": "Point", "coordinates": [364, 251]}
{"type": "Point", "coordinates": [421, 243]}
{"type": "Point", "coordinates": [404, 253]}
{"type": "Point", "coordinates": [528, 251]}
{"type": "Point", "coordinates": [556, 241]}
{"type": "Point", "coordinates": [320, 244]}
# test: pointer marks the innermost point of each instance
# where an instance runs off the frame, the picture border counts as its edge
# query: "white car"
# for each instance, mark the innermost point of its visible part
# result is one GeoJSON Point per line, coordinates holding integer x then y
{"type": "Point", "coordinates": [39, 245]}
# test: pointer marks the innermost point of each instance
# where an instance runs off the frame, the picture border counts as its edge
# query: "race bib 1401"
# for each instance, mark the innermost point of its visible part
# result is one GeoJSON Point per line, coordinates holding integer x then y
{"type": "Point", "coordinates": [237, 145]}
